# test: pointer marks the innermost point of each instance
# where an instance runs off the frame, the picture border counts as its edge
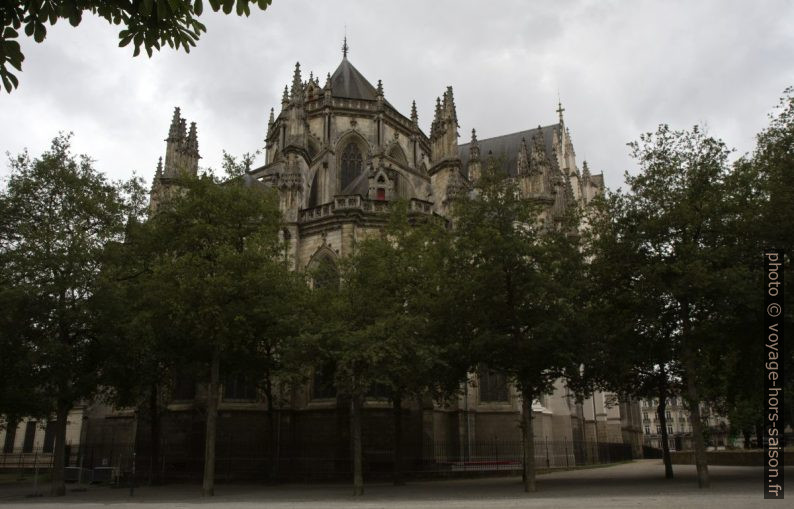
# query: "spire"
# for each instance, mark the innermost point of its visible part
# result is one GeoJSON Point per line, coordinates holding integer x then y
{"type": "Point", "coordinates": [380, 88]}
{"type": "Point", "coordinates": [174, 144]}
{"type": "Point", "coordinates": [159, 172]}
{"type": "Point", "coordinates": [270, 123]}
{"type": "Point", "coordinates": [449, 106]}
{"type": "Point", "coordinates": [559, 110]}
{"type": "Point", "coordinates": [345, 47]}
{"type": "Point", "coordinates": [173, 131]}
{"type": "Point", "coordinates": [585, 170]}
{"type": "Point", "coordinates": [285, 97]}
{"type": "Point", "coordinates": [328, 82]}
{"type": "Point", "coordinates": [474, 146]}
{"type": "Point", "coordinates": [192, 140]}
{"type": "Point", "coordinates": [436, 125]}
{"type": "Point", "coordinates": [297, 84]}
{"type": "Point", "coordinates": [522, 163]}
{"type": "Point", "coordinates": [182, 129]}
{"type": "Point", "coordinates": [414, 115]}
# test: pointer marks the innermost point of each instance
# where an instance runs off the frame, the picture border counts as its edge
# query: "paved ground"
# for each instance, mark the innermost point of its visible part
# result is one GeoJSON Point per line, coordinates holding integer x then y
{"type": "Point", "coordinates": [637, 484]}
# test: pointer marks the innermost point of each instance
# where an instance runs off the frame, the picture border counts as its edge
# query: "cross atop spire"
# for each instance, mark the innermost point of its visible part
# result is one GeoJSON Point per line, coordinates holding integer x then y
{"type": "Point", "coordinates": [345, 47]}
{"type": "Point", "coordinates": [560, 109]}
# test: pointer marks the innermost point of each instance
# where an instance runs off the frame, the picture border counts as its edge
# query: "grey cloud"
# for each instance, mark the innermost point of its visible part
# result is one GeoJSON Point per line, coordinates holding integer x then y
{"type": "Point", "coordinates": [620, 67]}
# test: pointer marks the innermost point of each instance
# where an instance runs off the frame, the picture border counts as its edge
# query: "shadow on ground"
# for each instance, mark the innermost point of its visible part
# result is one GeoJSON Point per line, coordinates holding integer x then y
{"type": "Point", "coordinates": [635, 484]}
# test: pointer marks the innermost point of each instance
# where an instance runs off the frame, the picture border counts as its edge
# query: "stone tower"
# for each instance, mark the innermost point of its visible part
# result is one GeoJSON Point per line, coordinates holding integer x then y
{"type": "Point", "coordinates": [181, 160]}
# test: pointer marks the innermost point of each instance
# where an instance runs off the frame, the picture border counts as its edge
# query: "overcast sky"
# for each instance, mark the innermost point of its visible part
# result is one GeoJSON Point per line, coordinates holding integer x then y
{"type": "Point", "coordinates": [620, 68]}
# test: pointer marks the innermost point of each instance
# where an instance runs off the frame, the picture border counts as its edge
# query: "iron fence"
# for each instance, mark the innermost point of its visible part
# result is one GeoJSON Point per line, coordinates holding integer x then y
{"type": "Point", "coordinates": [307, 460]}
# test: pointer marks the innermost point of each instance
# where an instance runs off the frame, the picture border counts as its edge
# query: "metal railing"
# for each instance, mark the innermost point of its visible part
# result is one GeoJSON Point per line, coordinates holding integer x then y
{"type": "Point", "coordinates": [314, 460]}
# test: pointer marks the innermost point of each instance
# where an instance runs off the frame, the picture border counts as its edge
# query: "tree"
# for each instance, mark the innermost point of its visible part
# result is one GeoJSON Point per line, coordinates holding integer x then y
{"type": "Point", "coordinates": [149, 24]}
{"type": "Point", "coordinates": [220, 243]}
{"type": "Point", "coordinates": [58, 214]}
{"type": "Point", "coordinates": [377, 322]}
{"type": "Point", "coordinates": [773, 160]}
{"type": "Point", "coordinates": [632, 349]}
{"type": "Point", "coordinates": [517, 284]}
{"type": "Point", "coordinates": [676, 206]}
{"type": "Point", "coordinates": [142, 352]}
{"type": "Point", "coordinates": [271, 343]}
{"type": "Point", "coordinates": [761, 192]}
{"type": "Point", "coordinates": [402, 269]}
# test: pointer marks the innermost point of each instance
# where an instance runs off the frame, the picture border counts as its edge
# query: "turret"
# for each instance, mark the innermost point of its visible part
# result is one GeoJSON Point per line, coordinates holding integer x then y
{"type": "Point", "coordinates": [297, 128]}
{"type": "Point", "coordinates": [522, 161]}
{"type": "Point", "coordinates": [444, 131]}
{"type": "Point", "coordinates": [327, 90]}
{"type": "Point", "coordinates": [173, 145]}
{"type": "Point", "coordinates": [296, 92]}
{"type": "Point", "coordinates": [270, 125]}
{"type": "Point", "coordinates": [190, 152]}
{"type": "Point", "coordinates": [540, 181]}
{"type": "Point", "coordinates": [475, 165]}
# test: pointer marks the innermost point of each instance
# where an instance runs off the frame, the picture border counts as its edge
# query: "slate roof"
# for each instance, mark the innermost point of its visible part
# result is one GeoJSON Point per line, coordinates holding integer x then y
{"type": "Point", "coordinates": [348, 82]}
{"type": "Point", "coordinates": [507, 147]}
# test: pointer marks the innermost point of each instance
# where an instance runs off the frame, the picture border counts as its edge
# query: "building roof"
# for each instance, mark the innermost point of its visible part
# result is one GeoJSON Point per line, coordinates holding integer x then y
{"type": "Point", "coordinates": [507, 146]}
{"type": "Point", "coordinates": [348, 82]}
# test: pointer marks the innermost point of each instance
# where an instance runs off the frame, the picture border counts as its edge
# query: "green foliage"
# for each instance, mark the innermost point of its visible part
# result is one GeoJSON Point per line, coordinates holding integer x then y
{"type": "Point", "coordinates": [516, 283]}
{"type": "Point", "coordinates": [215, 244]}
{"type": "Point", "coordinates": [56, 216]}
{"type": "Point", "coordinates": [377, 325]}
{"type": "Point", "coordinates": [762, 190]}
{"type": "Point", "coordinates": [148, 24]}
{"type": "Point", "coordinates": [632, 347]}
{"type": "Point", "coordinates": [233, 167]}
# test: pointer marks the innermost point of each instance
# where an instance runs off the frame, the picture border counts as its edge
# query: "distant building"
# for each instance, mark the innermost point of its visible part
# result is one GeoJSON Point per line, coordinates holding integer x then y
{"type": "Point", "coordinates": [679, 426]}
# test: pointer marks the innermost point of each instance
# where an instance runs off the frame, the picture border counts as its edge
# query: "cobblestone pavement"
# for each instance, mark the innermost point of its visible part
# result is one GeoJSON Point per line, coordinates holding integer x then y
{"type": "Point", "coordinates": [636, 484]}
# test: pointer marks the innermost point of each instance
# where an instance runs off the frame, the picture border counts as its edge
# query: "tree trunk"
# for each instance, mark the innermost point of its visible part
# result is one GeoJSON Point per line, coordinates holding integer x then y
{"type": "Point", "coordinates": [693, 398]}
{"type": "Point", "coordinates": [208, 486]}
{"type": "Point", "coordinates": [355, 437]}
{"type": "Point", "coordinates": [529, 441]}
{"type": "Point", "coordinates": [61, 416]}
{"type": "Point", "coordinates": [154, 433]}
{"type": "Point", "coordinates": [271, 428]}
{"type": "Point", "coordinates": [397, 414]}
{"type": "Point", "coordinates": [661, 411]}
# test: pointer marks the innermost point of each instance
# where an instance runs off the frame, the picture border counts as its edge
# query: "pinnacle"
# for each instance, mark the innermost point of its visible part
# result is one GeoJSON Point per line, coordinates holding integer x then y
{"type": "Point", "coordinates": [173, 131]}
{"type": "Point", "coordinates": [296, 80]}
{"type": "Point", "coordinates": [192, 138]}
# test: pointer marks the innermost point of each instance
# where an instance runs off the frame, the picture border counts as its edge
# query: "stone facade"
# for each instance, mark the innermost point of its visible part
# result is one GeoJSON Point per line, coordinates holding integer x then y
{"type": "Point", "coordinates": [338, 153]}
{"type": "Point", "coordinates": [679, 426]}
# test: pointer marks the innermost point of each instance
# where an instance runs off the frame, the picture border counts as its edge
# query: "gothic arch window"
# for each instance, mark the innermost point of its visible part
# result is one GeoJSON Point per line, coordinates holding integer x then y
{"type": "Point", "coordinates": [351, 164]}
{"type": "Point", "coordinates": [493, 385]}
{"type": "Point", "coordinates": [396, 153]}
{"type": "Point", "coordinates": [323, 270]}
